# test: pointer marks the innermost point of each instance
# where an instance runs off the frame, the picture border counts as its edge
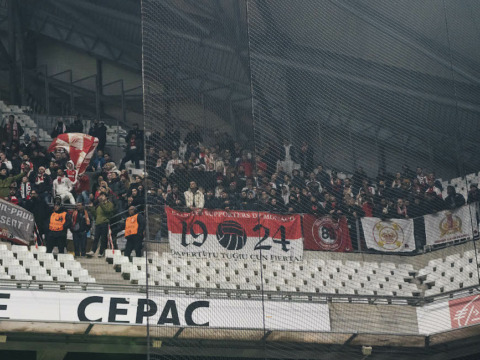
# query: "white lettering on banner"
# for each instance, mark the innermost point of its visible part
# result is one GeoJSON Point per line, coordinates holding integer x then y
{"type": "Point", "coordinates": [162, 310]}
{"type": "Point", "coordinates": [448, 225]}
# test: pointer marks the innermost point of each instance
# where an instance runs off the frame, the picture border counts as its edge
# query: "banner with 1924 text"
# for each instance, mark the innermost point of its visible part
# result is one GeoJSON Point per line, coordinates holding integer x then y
{"type": "Point", "coordinates": [245, 235]}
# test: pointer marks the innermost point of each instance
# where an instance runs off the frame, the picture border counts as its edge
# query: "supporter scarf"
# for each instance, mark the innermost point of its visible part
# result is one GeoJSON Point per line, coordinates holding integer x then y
{"type": "Point", "coordinates": [25, 189]}
{"type": "Point", "coordinates": [132, 142]}
{"type": "Point", "coordinates": [59, 179]}
{"type": "Point", "coordinates": [74, 217]}
{"type": "Point", "coordinates": [39, 179]}
{"type": "Point", "coordinates": [13, 131]}
{"type": "Point", "coordinates": [72, 175]}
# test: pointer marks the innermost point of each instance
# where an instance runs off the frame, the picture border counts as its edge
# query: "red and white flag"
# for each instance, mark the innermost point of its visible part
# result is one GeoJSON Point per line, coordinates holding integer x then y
{"type": "Point", "coordinates": [79, 146]}
{"type": "Point", "coordinates": [243, 235]}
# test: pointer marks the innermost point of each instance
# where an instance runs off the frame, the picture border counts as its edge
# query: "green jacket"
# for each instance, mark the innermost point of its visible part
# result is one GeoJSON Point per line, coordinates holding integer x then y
{"type": "Point", "coordinates": [5, 184]}
{"type": "Point", "coordinates": [103, 212]}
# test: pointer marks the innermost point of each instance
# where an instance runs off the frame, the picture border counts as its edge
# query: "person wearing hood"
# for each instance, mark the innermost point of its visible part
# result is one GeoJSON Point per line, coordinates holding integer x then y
{"type": "Point", "coordinates": [62, 187]}
{"type": "Point", "coordinates": [71, 173]}
{"type": "Point", "coordinates": [6, 181]}
{"type": "Point", "coordinates": [58, 224]}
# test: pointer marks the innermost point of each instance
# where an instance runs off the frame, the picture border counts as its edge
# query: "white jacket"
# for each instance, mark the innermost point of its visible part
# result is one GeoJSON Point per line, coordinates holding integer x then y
{"type": "Point", "coordinates": [196, 200]}
{"type": "Point", "coordinates": [64, 187]}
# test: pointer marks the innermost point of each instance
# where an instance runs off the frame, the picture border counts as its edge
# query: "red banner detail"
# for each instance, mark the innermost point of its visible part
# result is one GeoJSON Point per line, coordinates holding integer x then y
{"type": "Point", "coordinates": [247, 219]}
{"type": "Point", "coordinates": [465, 311]}
{"type": "Point", "coordinates": [326, 234]}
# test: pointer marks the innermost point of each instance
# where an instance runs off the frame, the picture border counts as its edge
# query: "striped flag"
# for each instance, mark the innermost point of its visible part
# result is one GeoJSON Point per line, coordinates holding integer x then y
{"type": "Point", "coordinates": [80, 148]}
{"type": "Point", "coordinates": [110, 241]}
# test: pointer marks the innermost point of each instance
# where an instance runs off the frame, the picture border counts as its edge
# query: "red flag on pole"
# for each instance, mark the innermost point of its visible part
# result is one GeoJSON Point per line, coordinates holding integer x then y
{"type": "Point", "coordinates": [80, 148]}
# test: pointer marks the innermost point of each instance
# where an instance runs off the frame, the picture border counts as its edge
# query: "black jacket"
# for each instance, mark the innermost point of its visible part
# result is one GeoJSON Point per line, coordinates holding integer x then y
{"type": "Point", "coordinates": [79, 222]}
{"type": "Point", "coordinates": [454, 201]}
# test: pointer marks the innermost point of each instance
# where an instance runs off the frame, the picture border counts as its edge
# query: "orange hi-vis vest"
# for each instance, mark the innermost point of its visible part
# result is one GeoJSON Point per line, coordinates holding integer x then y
{"type": "Point", "coordinates": [57, 221]}
{"type": "Point", "coordinates": [131, 225]}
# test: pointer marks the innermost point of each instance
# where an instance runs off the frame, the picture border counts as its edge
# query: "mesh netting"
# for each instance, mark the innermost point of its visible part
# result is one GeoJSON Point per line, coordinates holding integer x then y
{"type": "Point", "coordinates": [342, 204]}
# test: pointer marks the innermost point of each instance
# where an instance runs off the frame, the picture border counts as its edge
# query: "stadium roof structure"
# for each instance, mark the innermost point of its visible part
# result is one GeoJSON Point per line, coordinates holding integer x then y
{"type": "Point", "coordinates": [414, 63]}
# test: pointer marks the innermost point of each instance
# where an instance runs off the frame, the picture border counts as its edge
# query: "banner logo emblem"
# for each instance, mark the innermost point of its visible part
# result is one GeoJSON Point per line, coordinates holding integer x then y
{"type": "Point", "coordinates": [450, 224]}
{"type": "Point", "coordinates": [388, 235]}
{"type": "Point", "coordinates": [327, 234]}
{"type": "Point", "coordinates": [231, 235]}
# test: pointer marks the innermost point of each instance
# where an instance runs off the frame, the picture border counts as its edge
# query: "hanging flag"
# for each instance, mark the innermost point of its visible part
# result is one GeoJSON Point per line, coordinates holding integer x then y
{"type": "Point", "coordinates": [37, 236]}
{"type": "Point", "coordinates": [80, 148]}
{"type": "Point", "coordinates": [394, 235]}
{"type": "Point", "coordinates": [16, 223]}
{"type": "Point", "coordinates": [235, 234]}
{"type": "Point", "coordinates": [110, 241]}
{"type": "Point", "coordinates": [325, 234]}
{"type": "Point", "coordinates": [450, 225]}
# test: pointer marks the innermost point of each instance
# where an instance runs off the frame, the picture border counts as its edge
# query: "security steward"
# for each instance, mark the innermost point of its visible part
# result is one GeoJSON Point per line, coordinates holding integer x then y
{"type": "Point", "coordinates": [134, 232]}
{"type": "Point", "coordinates": [58, 224]}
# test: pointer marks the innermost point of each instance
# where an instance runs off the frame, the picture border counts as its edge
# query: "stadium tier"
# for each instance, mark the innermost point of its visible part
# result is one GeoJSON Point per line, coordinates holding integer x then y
{"type": "Point", "coordinates": [313, 279]}
{"type": "Point", "coordinates": [257, 179]}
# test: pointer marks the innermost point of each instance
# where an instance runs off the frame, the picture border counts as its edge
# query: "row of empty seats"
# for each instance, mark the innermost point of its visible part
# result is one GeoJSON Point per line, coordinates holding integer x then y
{"type": "Point", "coordinates": [454, 272]}
{"type": "Point", "coordinates": [31, 128]}
{"type": "Point", "coordinates": [305, 279]}
{"type": "Point", "coordinates": [22, 267]}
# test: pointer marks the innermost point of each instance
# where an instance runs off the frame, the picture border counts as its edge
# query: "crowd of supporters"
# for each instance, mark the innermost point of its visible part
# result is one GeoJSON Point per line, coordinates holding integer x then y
{"type": "Point", "coordinates": [185, 172]}
{"type": "Point", "coordinates": [283, 179]}
{"type": "Point", "coordinates": [36, 179]}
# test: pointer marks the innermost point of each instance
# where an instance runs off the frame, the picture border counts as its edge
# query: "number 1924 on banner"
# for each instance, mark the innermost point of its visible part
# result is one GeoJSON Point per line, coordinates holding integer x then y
{"type": "Point", "coordinates": [242, 235]}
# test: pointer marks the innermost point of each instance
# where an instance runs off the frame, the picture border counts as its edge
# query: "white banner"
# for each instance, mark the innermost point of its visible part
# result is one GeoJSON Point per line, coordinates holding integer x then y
{"type": "Point", "coordinates": [434, 318]}
{"type": "Point", "coordinates": [448, 225]}
{"type": "Point", "coordinates": [392, 235]}
{"type": "Point", "coordinates": [119, 308]}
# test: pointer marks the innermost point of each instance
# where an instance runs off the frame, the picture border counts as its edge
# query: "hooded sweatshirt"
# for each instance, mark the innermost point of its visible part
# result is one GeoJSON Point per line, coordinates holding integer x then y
{"type": "Point", "coordinates": [71, 174]}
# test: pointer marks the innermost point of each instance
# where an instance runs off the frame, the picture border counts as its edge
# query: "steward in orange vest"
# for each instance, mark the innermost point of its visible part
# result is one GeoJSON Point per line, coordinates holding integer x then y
{"type": "Point", "coordinates": [134, 232]}
{"type": "Point", "coordinates": [58, 224]}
